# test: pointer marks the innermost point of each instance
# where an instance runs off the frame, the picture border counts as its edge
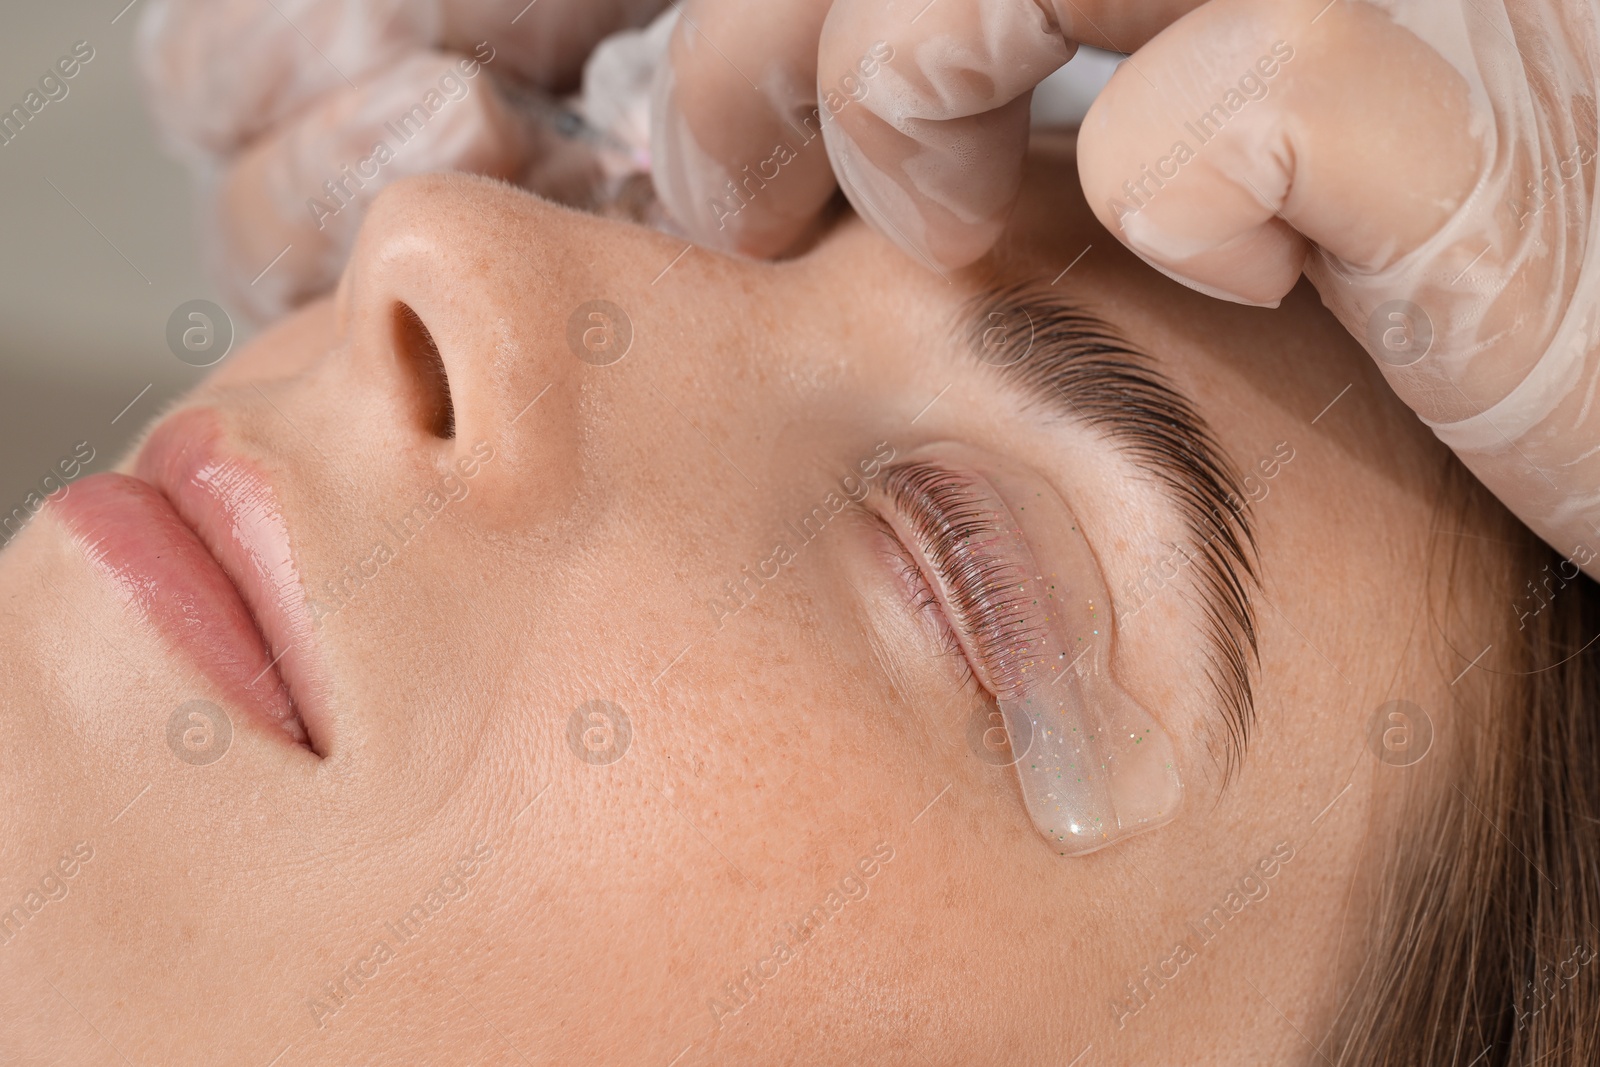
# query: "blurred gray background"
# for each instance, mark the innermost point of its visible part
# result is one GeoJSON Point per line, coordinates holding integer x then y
{"type": "Point", "coordinates": [97, 247]}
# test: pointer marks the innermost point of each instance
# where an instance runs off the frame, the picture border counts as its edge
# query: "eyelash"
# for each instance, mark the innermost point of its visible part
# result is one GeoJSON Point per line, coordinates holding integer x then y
{"type": "Point", "coordinates": [985, 591]}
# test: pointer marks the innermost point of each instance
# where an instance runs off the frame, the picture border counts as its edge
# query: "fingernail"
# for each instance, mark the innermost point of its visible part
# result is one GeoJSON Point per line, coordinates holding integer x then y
{"type": "Point", "coordinates": [1201, 287]}
{"type": "Point", "coordinates": [899, 209]}
{"type": "Point", "coordinates": [877, 198]}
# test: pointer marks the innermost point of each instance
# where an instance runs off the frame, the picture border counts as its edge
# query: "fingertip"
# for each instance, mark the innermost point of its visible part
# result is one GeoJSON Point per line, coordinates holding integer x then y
{"type": "Point", "coordinates": [741, 167]}
{"type": "Point", "coordinates": [211, 97]}
{"type": "Point", "coordinates": [684, 174]}
{"type": "Point", "coordinates": [1257, 267]}
{"type": "Point", "coordinates": [929, 147]}
{"type": "Point", "coordinates": [1196, 222]}
{"type": "Point", "coordinates": [1215, 291]}
{"type": "Point", "coordinates": [918, 228]}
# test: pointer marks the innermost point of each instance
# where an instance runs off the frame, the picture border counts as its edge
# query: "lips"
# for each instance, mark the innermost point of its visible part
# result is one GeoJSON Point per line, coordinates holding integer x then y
{"type": "Point", "coordinates": [198, 545]}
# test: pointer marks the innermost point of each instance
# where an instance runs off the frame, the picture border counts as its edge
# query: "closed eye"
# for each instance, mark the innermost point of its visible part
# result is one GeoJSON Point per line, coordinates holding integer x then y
{"type": "Point", "coordinates": [950, 549]}
{"type": "Point", "coordinates": [1080, 368]}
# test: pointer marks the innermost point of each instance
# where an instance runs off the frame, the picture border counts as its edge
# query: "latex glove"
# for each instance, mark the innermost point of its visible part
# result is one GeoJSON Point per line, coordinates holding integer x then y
{"type": "Point", "coordinates": [1430, 167]}
{"type": "Point", "coordinates": [923, 108]}
{"type": "Point", "coordinates": [279, 107]}
{"type": "Point", "coordinates": [1428, 164]}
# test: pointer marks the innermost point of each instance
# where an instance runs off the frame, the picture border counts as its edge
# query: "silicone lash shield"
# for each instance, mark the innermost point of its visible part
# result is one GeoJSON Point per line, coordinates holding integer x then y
{"type": "Point", "coordinates": [1093, 764]}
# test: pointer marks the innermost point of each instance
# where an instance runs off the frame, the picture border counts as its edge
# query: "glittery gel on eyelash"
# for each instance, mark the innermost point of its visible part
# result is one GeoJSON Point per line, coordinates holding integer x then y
{"type": "Point", "coordinates": [1093, 764]}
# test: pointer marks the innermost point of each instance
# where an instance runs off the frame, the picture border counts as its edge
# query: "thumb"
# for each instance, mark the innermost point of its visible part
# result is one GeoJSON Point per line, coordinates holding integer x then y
{"type": "Point", "coordinates": [1430, 168]}
{"type": "Point", "coordinates": [1247, 127]}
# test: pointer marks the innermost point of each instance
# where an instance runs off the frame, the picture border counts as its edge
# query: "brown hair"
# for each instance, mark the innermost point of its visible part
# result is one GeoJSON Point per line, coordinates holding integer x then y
{"type": "Point", "coordinates": [1484, 948]}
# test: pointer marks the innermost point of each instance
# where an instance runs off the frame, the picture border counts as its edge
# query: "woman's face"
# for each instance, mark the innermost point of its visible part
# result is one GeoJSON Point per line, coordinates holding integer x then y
{"type": "Point", "coordinates": [631, 730]}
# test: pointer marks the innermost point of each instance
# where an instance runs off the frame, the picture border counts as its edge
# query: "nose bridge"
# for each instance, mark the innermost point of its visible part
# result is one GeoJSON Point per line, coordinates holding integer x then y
{"type": "Point", "coordinates": [452, 323]}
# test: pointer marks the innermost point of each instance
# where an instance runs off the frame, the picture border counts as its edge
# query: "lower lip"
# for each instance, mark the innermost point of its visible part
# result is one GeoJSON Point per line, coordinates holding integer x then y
{"type": "Point", "coordinates": [132, 533]}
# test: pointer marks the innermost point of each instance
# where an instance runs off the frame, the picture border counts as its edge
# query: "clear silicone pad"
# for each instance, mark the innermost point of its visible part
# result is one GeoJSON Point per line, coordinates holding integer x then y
{"type": "Point", "coordinates": [1093, 764]}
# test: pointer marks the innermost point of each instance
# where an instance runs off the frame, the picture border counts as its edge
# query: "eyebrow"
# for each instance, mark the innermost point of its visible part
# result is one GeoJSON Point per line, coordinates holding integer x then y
{"type": "Point", "coordinates": [1080, 367]}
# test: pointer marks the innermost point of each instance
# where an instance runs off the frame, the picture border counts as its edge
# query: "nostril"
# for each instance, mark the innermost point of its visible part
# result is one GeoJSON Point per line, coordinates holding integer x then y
{"type": "Point", "coordinates": [419, 353]}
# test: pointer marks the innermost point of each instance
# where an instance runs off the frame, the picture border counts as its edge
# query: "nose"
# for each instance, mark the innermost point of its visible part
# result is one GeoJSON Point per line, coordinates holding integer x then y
{"type": "Point", "coordinates": [451, 330]}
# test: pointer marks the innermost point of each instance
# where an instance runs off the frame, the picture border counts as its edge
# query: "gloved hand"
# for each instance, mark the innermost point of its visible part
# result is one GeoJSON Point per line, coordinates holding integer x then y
{"type": "Point", "coordinates": [923, 107]}
{"type": "Point", "coordinates": [1428, 164]}
{"type": "Point", "coordinates": [281, 106]}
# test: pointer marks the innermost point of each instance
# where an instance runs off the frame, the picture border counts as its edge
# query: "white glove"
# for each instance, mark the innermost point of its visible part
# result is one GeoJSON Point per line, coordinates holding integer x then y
{"type": "Point", "coordinates": [1429, 164]}
{"type": "Point", "coordinates": [295, 113]}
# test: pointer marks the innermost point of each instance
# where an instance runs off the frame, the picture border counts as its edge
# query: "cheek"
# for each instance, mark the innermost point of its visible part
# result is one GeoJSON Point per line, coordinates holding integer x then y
{"type": "Point", "coordinates": [288, 348]}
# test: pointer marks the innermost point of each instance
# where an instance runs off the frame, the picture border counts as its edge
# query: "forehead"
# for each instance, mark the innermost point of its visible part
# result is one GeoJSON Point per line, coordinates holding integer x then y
{"type": "Point", "coordinates": [1259, 377]}
{"type": "Point", "coordinates": [1243, 366]}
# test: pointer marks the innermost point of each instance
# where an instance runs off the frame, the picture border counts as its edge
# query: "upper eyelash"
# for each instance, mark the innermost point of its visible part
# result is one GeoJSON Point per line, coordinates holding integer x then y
{"type": "Point", "coordinates": [986, 592]}
{"type": "Point", "coordinates": [923, 600]}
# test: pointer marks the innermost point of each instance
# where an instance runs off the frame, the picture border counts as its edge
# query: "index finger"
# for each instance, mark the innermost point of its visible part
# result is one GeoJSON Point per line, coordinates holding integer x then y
{"type": "Point", "coordinates": [932, 154]}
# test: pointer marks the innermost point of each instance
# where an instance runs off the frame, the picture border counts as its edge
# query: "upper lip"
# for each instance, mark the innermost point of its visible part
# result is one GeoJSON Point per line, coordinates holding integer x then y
{"type": "Point", "coordinates": [230, 505]}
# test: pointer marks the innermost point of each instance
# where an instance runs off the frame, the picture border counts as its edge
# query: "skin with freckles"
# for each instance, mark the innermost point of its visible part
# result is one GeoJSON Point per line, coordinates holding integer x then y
{"type": "Point", "coordinates": [485, 862]}
{"type": "Point", "coordinates": [1429, 167]}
